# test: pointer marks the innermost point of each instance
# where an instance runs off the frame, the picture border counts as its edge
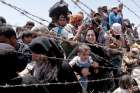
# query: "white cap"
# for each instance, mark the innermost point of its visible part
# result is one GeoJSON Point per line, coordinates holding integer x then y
{"type": "Point", "coordinates": [70, 36]}
{"type": "Point", "coordinates": [117, 28]}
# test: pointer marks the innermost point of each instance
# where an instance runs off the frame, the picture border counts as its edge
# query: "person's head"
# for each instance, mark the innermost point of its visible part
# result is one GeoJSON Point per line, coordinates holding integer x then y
{"type": "Point", "coordinates": [125, 82]}
{"type": "Point", "coordinates": [90, 36]}
{"type": "Point", "coordinates": [8, 35]}
{"type": "Point", "coordinates": [85, 72]}
{"type": "Point", "coordinates": [92, 13]}
{"type": "Point", "coordinates": [116, 29]}
{"type": "Point", "coordinates": [76, 20]}
{"type": "Point", "coordinates": [81, 13]}
{"type": "Point", "coordinates": [39, 31]}
{"type": "Point", "coordinates": [2, 21]}
{"type": "Point", "coordinates": [45, 46]}
{"type": "Point", "coordinates": [97, 19]}
{"type": "Point", "coordinates": [115, 9]}
{"type": "Point", "coordinates": [134, 52]}
{"type": "Point", "coordinates": [104, 8]}
{"type": "Point", "coordinates": [100, 10]}
{"type": "Point", "coordinates": [29, 25]}
{"type": "Point", "coordinates": [83, 52]}
{"type": "Point", "coordinates": [26, 37]}
{"type": "Point", "coordinates": [120, 6]}
{"type": "Point", "coordinates": [62, 21]}
{"type": "Point", "coordinates": [19, 30]}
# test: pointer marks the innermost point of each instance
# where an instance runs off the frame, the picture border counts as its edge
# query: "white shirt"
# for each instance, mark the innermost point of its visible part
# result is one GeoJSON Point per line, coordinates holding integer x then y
{"type": "Point", "coordinates": [136, 75]}
{"type": "Point", "coordinates": [78, 59]}
{"type": "Point", "coordinates": [68, 31]}
{"type": "Point", "coordinates": [120, 90]}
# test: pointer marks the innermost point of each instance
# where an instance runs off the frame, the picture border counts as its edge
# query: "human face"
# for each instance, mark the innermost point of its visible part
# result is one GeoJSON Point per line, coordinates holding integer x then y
{"type": "Point", "coordinates": [29, 27]}
{"type": "Point", "coordinates": [134, 54]}
{"type": "Point", "coordinates": [90, 37]}
{"type": "Point", "coordinates": [62, 22]}
{"type": "Point", "coordinates": [115, 10]}
{"type": "Point", "coordinates": [85, 72]}
{"type": "Point", "coordinates": [35, 57]}
{"type": "Point", "coordinates": [84, 55]}
{"type": "Point", "coordinates": [11, 41]}
{"type": "Point", "coordinates": [79, 22]}
{"type": "Point", "coordinates": [27, 40]}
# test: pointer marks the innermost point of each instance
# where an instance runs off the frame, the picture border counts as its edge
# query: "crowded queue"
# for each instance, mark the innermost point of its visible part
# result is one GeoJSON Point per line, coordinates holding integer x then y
{"type": "Point", "coordinates": [103, 47]}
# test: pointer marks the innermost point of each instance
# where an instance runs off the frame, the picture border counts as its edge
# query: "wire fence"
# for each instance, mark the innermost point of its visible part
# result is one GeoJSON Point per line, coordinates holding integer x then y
{"type": "Point", "coordinates": [26, 13]}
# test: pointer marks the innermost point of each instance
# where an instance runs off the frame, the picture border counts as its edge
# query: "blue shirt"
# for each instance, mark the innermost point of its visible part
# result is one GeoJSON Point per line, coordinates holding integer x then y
{"type": "Point", "coordinates": [114, 18]}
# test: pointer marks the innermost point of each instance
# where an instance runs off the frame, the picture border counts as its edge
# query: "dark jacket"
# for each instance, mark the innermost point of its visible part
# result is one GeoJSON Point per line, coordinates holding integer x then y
{"type": "Point", "coordinates": [54, 70]}
{"type": "Point", "coordinates": [24, 55]}
{"type": "Point", "coordinates": [8, 64]}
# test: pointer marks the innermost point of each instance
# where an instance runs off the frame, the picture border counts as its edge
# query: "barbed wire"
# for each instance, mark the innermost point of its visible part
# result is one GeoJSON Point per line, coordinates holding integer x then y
{"type": "Point", "coordinates": [76, 3]}
{"type": "Point", "coordinates": [75, 43]}
{"type": "Point", "coordinates": [130, 11]}
{"type": "Point", "coordinates": [138, 7]}
{"type": "Point", "coordinates": [103, 67]}
{"type": "Point", "coordinates": [62, 83]}
{"type": "Point", "coordinates": [24, 12]}
{"type": "Point", "coordinates": [84, 5]}
{"type": "Point", "coordinates": [58, 83]}
{"type": "Point", "coordinates": [133, 1]}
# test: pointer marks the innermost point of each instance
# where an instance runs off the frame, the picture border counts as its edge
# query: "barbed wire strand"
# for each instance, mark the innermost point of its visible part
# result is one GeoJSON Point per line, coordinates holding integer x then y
{"type": "Point", "coordinates": [21, 11]}
{"type": "Point", "coordinates": [58, 83]}
{"type": "Point", "coordinates": [61, 83]}
{"type": "Point", "coordinates": [130, 11]}
{"type": "Point", "coordinates": [76, 3]}
{"type": "Point", "coordinates": [133, 1]}
{"type": "Point", "coordinates": [66, 83]}
{"type": "Point", "coordinates": [78, 44]}
{"type": "Point", "coordinates": [138, 7]}
{"type": "Point", "coordinates": [84, 5]}
{"type": "Point", "coordinates": [103, 67]}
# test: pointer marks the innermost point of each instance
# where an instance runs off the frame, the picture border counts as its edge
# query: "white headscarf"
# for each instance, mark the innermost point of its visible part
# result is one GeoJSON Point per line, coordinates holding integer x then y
{"type": "Point", "coordinates": [117, 28]}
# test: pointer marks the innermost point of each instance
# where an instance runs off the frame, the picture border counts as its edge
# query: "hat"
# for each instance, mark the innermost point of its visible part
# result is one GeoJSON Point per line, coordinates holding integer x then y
{"type": "Point", "coordinates": [135, 50]}
{"type": "Point", "coordinates": [117, 28]}
{"type": "Point", "coordinates": [45, 46]}
{"type": "Point", "coordinates": [40, 45]}
{"type": "Point", "coordinates": [70, 36]}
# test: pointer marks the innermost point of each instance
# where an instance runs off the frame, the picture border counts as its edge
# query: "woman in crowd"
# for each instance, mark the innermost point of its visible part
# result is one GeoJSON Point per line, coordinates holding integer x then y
{"type": "Point", "coordinates": [73, 29]}
{"type": "Point", "coordinates": [90, 37]}
{"type": "Point", "coordinates": [47, 69]}
{"type": "Point", "coordinates": [72, 32]}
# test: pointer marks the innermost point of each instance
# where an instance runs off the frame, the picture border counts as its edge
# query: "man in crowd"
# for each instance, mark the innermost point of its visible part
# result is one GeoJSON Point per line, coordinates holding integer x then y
{"type": "Point", "coordinates": [8, 36]}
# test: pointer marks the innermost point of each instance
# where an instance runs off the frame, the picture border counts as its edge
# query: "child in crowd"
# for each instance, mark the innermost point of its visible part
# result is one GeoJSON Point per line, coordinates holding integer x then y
{"type": "Point", "coordinates": [82, 63]}
{"type": "Point", "coordinates": [84, 77]}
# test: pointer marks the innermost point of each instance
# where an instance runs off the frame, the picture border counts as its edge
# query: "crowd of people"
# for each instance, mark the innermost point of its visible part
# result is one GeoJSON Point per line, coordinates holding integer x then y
{"type": "Point", "coordinates": [100, 52]}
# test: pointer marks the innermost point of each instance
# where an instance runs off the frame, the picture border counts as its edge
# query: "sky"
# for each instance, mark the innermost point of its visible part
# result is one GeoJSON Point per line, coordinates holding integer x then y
{"type": "Point", "coordinates": [41, 9]}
